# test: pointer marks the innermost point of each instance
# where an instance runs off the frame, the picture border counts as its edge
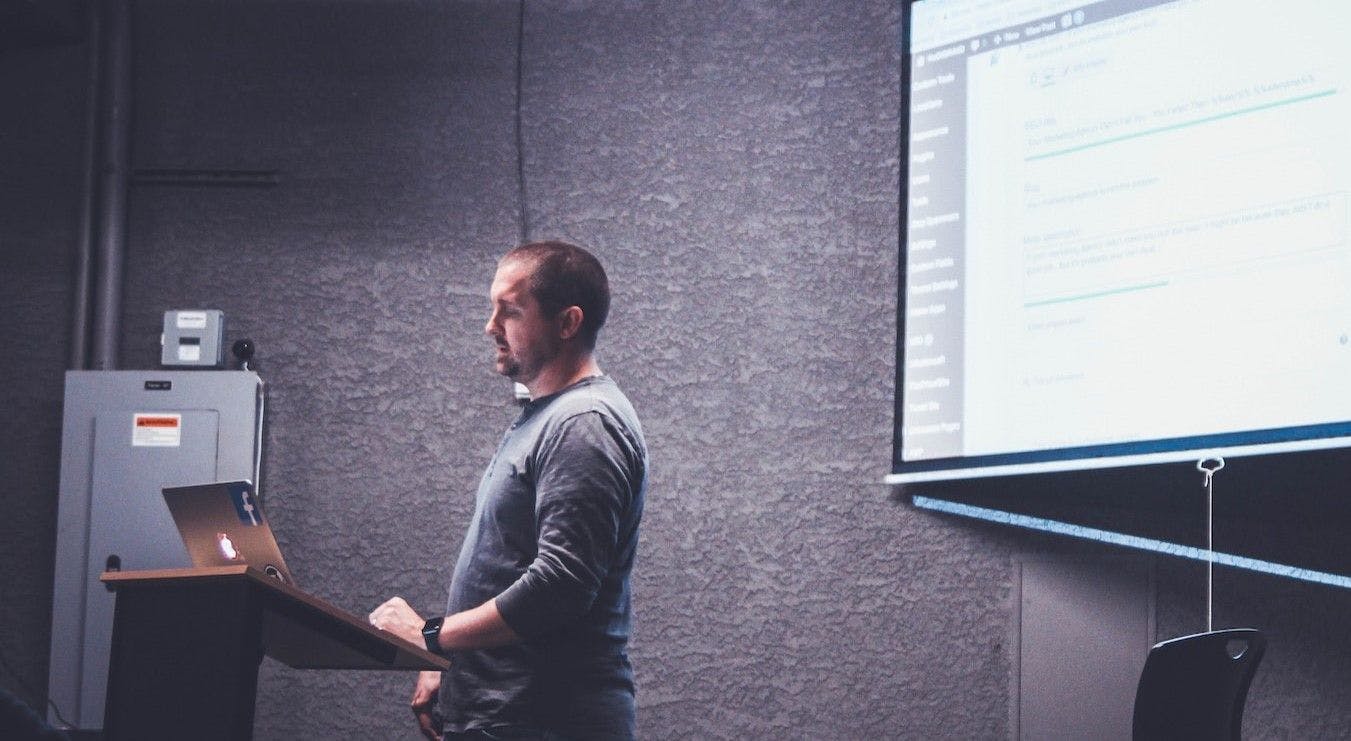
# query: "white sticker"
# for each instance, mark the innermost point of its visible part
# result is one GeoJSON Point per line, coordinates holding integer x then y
{"type": "Point", "coordinates": [157, 430]}
{"type": "Point", "coordinates": [189, 353]}
{"type": "Point", "coordinates": [192, 320]}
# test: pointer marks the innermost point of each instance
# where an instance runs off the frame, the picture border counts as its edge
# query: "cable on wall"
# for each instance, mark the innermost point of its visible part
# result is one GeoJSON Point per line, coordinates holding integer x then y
{"type": "Point", "coordinates": [520, 136]}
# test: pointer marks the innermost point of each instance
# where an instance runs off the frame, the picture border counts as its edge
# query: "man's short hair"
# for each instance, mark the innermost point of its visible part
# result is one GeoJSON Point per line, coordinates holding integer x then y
{"type": "Point", "coordinates": [564, 275]}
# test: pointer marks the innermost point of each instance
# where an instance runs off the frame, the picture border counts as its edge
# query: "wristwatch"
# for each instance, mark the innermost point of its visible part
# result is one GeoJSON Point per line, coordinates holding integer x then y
{"type": "Point", "coordinates": [431, 633]}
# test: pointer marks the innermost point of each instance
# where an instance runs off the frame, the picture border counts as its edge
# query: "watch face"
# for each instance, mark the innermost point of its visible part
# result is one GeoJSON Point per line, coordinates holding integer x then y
{"type": "Point", "coordinates": [431, 634]}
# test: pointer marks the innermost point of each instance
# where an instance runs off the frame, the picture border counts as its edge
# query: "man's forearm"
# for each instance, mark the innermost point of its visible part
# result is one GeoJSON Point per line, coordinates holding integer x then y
{"type": "Point", "coordinates": [480, 627]}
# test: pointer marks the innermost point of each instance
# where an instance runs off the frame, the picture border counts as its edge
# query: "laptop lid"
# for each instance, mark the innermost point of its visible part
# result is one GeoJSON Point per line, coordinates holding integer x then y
{"type": "Point", "coordinates": [223, 525]}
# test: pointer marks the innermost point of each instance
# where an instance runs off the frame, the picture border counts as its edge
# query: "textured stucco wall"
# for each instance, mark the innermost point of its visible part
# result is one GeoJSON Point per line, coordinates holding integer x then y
{"type": "Point", "coordinates": [735, 166]}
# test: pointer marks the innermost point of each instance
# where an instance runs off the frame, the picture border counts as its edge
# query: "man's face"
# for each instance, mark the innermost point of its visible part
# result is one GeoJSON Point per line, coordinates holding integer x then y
{"type": "Point", "coordinates": [526, 339]}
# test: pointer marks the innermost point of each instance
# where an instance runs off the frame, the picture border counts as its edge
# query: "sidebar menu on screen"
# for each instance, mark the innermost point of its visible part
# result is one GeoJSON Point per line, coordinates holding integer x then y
{"type": "Point", "coordinates": [935, 232]}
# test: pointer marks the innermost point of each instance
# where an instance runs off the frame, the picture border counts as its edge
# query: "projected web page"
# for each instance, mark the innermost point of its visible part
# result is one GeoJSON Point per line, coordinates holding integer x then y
{"type": "Point", "coordinates": [1126, 221]}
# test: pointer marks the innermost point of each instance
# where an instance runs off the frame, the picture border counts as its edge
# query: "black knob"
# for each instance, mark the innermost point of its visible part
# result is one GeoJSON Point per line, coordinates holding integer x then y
{"type": "Point", "coordinates": [243, 350]}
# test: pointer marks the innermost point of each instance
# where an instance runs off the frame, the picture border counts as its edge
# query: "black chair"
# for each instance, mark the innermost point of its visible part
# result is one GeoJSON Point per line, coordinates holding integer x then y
{"type": "Point", "coordinates": [1194, 687]}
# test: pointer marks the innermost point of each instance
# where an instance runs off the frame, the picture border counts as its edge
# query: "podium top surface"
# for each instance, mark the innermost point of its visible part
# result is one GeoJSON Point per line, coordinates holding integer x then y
{"type": "Point", "coordinates": [299, 629]}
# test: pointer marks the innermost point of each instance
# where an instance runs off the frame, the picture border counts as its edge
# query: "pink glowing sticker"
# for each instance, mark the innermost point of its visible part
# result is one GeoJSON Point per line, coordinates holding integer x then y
{"type": "Point", "coordinates": [227, 548]}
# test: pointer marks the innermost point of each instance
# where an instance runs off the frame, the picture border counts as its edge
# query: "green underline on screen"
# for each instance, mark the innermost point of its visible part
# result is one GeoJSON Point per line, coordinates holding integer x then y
{"type": "Point", "coordinates": [1182, 125]}
{"type": "Point", "coordinates": [1097, 294]}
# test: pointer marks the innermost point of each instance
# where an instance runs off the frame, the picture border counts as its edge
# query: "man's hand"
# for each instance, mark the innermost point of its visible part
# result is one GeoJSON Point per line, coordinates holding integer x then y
{"type": "Point", "coordinates": [395, 616]}
{"type": "Point", "coordinates": [424, 704]}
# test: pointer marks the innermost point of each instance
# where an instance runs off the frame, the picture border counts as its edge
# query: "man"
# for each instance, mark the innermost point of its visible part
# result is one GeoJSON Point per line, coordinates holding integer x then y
{"type": "Point", "coordinates": [537, 624]}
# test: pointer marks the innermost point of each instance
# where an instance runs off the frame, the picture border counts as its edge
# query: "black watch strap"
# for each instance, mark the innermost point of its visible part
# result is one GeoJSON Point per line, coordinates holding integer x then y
{"type": "Point", "coordinates": [431, 634]}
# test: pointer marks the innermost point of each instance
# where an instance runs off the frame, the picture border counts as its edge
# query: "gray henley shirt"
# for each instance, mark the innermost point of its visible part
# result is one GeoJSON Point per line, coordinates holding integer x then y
{"type": "Point", "coordinates": [553, 538]}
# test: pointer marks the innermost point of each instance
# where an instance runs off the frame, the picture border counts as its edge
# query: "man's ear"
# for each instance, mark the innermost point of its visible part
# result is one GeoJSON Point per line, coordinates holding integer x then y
{"type": "Point", "coordinates": [570, 322]}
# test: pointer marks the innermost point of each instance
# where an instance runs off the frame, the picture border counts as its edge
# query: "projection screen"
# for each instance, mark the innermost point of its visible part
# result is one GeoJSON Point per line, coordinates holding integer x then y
{"type": "Point", "coordinates": [1124, 233]}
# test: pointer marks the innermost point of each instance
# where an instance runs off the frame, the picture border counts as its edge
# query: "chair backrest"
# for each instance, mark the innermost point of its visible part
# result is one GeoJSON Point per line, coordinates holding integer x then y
{"type": "Point", "coordinates": [1194, 687]}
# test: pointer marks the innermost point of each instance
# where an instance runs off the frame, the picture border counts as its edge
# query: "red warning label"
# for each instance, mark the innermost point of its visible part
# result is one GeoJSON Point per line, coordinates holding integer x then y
{"type": "Point", "coordinates": [156, 430]}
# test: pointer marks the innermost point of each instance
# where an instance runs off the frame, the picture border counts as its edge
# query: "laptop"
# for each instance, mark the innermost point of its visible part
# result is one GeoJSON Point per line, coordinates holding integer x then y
{"type": "Point", "coordinates": [222, 525]}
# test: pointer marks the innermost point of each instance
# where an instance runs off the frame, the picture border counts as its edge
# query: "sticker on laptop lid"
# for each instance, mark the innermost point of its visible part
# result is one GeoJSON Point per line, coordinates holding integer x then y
{"type": "Point", "coordinates": [241, 495]}
{"type": "Point", "coordinates": [227, 548]}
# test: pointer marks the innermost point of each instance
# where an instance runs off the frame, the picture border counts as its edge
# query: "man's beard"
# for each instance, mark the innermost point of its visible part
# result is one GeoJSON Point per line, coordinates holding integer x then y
{"type": "Point", "coordinates": [523, 368]}
{"type": "Point", "coordinates": [505, 363]}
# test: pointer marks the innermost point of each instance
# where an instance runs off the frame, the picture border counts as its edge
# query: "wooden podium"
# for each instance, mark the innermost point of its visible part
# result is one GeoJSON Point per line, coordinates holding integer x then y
{"type": "Point", "coordinates": [187, 644]}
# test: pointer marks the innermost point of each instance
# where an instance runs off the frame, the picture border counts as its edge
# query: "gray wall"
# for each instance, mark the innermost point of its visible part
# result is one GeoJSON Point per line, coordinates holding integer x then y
{"type": "Point", "coordinates": [735, 166]}
{"type": "Point", "coordinates": [39, 187]}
